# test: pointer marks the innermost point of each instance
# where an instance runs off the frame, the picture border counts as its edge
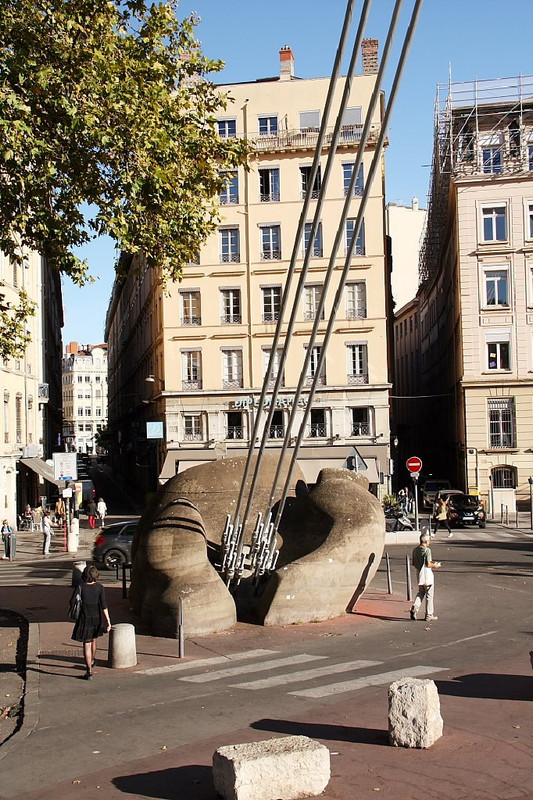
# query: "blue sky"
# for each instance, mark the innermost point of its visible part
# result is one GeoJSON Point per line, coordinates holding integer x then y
{"type": "Point", "coordinates": [465, 38]}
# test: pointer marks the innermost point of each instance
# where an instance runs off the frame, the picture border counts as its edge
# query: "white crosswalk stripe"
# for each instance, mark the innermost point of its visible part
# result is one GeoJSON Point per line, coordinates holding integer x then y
{"type": "Point", "coordinates": [247, 668]}
{"type": "Point", "coordinates": [305, 675]}
{"type": "Point", "coordinates": [369, 680]}
{"type": "Point", "coordinates": [206, 662]}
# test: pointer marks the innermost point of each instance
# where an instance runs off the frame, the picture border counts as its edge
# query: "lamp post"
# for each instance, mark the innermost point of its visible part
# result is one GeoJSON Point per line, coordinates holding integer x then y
{"type": "Point", "coordinates": [530, 481]}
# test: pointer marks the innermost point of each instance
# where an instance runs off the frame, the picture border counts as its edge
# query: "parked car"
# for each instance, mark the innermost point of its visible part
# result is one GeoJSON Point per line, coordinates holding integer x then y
{"type": "Point", "coordinates": [430, 488]}
{"type": "Point", "coordinates": [112, 545]}
{"type": "Point", "coordinates": [466, 509]}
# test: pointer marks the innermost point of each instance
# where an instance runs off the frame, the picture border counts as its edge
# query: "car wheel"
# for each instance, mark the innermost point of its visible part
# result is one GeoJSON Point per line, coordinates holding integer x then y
{"type": "Point", "coordinates": [114, 558]}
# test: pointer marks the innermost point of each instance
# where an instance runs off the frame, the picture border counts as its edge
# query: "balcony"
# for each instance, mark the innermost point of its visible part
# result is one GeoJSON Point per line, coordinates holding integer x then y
{"type": "Point", "coordinates": [191, 320]}
{"type": "Point", "coordinates": [317, 430]}
{"type": "Point", "coordinates": [231, 319]}
{"type": "Point", "coordinates": [236, 383]}
{"type": "Point", "coordinates": [271, 317]}
{"type": "Point", "coordinates": [361, 377]}
{"type": "Point", "coordinates": [306, 139]}
{"type": "Point", "coordinates": [276, 432]}
{"type": "Point", "coordinates": [272, 197]}
{"type": "Point", "coordinates": [271, 255]}
{"type": "Point", "coordinates": [191, 386]}
{"type": "Point", "coordinates": [321, 380]}
{"type": "Point", "coordinates": [235, 432]}
{"type": "Point", "coordinates": [230, 258]}
{"type": "Point", "coordinates": [361, 429]}
{"type": "Point", "coordinates": [189, 436]}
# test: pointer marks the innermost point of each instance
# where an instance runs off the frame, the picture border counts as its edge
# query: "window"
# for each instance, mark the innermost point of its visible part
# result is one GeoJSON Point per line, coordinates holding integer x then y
{"type": "Point", "coordinates": [317, 249]}
{"type": "Point", "coordinates": [530, 156]}
{"type": "Point", "coordinates": [275, 366]}
{"type": "Point", "coordinates": [351, 124]}
{"type": "Point", "coordinates": [229, 245]}
{"type": "Point", "coordinates": [232, 369]}
{"type": "Point", "coordinates": [97, 379]}
{"type": "Point", "coordinates": [359, 249]}
{"type": "Point", "coordinates": [313, 366]}
{"type": "Point", "coordinates": [269, 185]}
{"type": "Point", "coordinates": [270, 242]}
{"type": "Point", "coordinates": [80, 411]}
{"type": "Point", "coordinates": [498, 356]}
{"type": "Point", "coordinates": [231, 306]}
{"type": "Point", "coordinates": [227, 128]}
{"type": "Point", "coordinates": [504, 478]}
{"type": "Point", "coordinates": [318, 427]}
{"type": "Point", "coordinates": [502, 422]}
{"type": "Point", "coordinates": [190, 307]}
{"type": "Point", "coordinates": [80, 378]}
{"type": "Point", "coordinates": [268, 126]}
{"type": "Point", "coordinates": [360, 422]}
{"type": "Point", "coordinates": [230, 192]}
{"type": "Point", "coordinates": [87, 379]}
{"type": "Point", "coordinates": [312, 295]}
{"type": "Point", "coordinates": [97, 412]}
{"type": "Point", "coordinates": [192, 425]}
{"type": "Point", "coordinates": [496, 284]}
{"type": "Point", "coordinates": [492, 160]}
{"type": "Point", "coordinates": [494, 223]}
{"type": "Point", "coordinates": [88, 412]}
{"type": "Point", "coordinates": [234, 425]}
{"type": "Point", "coordinates": [356, 300]}
{"type": "Point", "coordinates": [277, 426]}
{"type": "Point", "coordinates": [6, 415]}
{"type": "Point", "coordinates": [357, 364]}
{"type": "Point", "coordinates": [305, 178]}
{"type": "Point", "coordinates": [309, 121]}
{"type": "Point", "coordinates": [18, 417]}
{"type": "Point", "coordinates": [271, 303]}
{"type": "Point", "coordinates": [529, 223]}
{"type": "Point", "coordinates": [359, 185]}
{"type": "Point", "coordinates": [191, 365]}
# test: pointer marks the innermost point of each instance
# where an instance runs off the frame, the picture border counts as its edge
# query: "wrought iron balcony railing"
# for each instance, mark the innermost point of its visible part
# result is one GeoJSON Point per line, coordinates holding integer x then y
{"type": "Point", "coordinates": [189, 386]}
{"type": "Point", "coordinates": [361, 429]}
{"type": "Point", "coordinates": [235, 432]}
{"type": "Point", "coordinates": [361, 377]}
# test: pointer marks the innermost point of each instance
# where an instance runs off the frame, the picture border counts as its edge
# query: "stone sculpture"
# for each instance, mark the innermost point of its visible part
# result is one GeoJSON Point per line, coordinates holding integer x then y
{"type": "Point", "coordinates": [330, 540]}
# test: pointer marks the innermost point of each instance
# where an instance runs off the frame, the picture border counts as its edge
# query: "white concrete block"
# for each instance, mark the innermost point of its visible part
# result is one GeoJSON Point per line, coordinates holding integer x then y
{"type": "Point", "coordinates": [414, 713]}
{"type": "Point", "coordinates": [276, 769]}
{"type": "Point", "coordinates": [122, 649]}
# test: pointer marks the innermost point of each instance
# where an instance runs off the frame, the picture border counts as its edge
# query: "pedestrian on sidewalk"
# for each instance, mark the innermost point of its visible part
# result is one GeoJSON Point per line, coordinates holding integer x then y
{"type": "Point", "coordinates": [94, 619]}
{"type": "Point", "coordinates": [90, 508]}
{"type": "Point", "coordinates": [101, 510]}
{"type": "Point", "coordinates": [60, 511]}
{"type": "Point", "coordinates": [9, 541]}
{"type": "Point", "coordinates": [441, 516]}
{"type": "Point", "coordinates": [47, 533]}
{"type": "Point", "coordinates": [422, 561]}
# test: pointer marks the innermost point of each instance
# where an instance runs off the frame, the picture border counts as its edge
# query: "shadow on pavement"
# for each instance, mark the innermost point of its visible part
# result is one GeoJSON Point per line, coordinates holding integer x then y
{"type": "Point", "coordinates": [335, 733]}
{"type": "Point", "coordinates": [193, 782]}
{"type": "Point", "coordinates": [488, 686]}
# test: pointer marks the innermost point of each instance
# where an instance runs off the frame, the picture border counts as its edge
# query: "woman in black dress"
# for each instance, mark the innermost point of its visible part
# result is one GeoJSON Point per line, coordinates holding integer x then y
{"type": "Point", "coordinates": [94, 619]}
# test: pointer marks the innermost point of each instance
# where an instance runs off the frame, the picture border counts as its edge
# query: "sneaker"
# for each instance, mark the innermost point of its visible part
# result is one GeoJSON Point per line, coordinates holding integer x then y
{"type": "Point", "coordinates": [450, 535]}
{"type": "Point", "coordinates": [412, 614]}
{"type": "Point", "coordinates": [431, 618]}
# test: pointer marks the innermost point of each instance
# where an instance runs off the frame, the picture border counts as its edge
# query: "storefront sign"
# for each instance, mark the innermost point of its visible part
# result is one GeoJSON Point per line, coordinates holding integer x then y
{"type": "Point", "coordinates": [281, 402]}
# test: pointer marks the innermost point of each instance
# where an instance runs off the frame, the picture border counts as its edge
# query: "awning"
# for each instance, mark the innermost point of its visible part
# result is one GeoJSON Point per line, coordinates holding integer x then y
{"type": "Point", "coordinates": [41, 468]}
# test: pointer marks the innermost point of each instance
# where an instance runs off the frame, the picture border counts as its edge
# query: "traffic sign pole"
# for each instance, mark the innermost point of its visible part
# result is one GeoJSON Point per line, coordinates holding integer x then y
{"type": "Point", "coordinates": [414, 465]}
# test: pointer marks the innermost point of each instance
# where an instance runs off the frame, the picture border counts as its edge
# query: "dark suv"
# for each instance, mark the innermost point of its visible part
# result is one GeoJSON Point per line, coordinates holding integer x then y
{"type": "Point", "coordinates": [112, 545]}
{"type": "Point", "coordinates": [466, 509]}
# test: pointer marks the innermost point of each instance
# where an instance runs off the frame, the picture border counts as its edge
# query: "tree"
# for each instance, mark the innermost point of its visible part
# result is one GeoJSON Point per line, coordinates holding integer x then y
{"type": "Point", "coordinates": [106, 103]}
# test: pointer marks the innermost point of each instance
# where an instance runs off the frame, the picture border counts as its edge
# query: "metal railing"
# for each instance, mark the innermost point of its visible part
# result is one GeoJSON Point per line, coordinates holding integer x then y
{"type": "Point", "coordinates": [235, 432]}
{"type": "Point", "coordinates": [361, 377]}
{"type": "Point", "coordinates": [307, 138]}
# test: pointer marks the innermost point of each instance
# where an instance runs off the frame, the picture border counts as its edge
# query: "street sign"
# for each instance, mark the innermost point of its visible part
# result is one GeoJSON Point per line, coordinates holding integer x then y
{"type": "Point", "coordinates": [414, 464]}
{"type": "Point", "coordinates": [65, 466]}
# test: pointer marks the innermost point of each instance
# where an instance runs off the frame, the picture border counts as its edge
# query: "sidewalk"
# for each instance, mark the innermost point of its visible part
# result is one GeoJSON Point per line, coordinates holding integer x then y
{"type": "Point", "coordinates": [485, 753]}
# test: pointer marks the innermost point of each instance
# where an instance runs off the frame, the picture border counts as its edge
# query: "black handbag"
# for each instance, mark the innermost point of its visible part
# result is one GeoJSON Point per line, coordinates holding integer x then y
{"type": "Point", "coordinates": [75, 606]}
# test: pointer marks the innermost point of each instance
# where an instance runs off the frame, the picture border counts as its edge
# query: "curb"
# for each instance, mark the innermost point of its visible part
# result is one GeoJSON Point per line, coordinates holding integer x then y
{"type": "Point", "coordinates": [30, 706]}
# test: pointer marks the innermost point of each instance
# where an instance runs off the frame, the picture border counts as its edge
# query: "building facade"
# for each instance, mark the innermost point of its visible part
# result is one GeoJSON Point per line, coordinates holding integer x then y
{"type": "Point", "coordinates": [476, 295]}
{"type": "Point", "coordinates": [31, 402]}
{"type": "Point", "coordinates": [194, 357]}
{"type": "Point", "coordinates": [84, 383]}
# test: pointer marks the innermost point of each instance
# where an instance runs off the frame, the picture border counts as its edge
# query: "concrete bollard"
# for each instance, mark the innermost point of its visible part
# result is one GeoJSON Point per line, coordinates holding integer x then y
{"type": "Point", "coordinates": [414, 713]}
{"type": "Point", "coordinates": [122, 648]}
{"type": "Point", "coordinates": [73, 536]}
{"type": "Point", "coordinates": [77, 572]}
{"type": "Point", "coordinates": [287, 768]}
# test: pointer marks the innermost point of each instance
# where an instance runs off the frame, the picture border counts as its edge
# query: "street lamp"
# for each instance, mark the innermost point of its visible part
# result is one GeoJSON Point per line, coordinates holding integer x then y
{"type": "Point", "coordinates": [153, 379]}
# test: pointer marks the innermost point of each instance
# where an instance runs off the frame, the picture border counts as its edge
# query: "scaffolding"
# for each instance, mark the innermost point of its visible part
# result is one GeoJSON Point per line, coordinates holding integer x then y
{"type": "Point", "coordinates": [483, 130]}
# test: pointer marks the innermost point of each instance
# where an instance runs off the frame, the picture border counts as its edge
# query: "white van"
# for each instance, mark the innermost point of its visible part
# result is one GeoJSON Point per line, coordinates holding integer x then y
{"type": "Point", "coordinates": [430, 489]}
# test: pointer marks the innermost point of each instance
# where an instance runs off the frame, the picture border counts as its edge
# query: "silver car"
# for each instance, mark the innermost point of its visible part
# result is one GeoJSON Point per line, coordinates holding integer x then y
{"type": "Point", "coordinates": [112, 545]}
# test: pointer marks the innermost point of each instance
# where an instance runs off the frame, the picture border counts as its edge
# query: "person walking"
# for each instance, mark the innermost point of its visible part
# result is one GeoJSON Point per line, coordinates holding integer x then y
{"type": "Point", "coordinates": [60, 511]}
{"type": "Point", "coordinates": [93, 620]}
{"type": "Point", "coordinates": [441, 516]}
{"type": "Point", "coordinates": [422, 561]}
{"type": "Point", "coordinates": [101, 510]}
{"type": "Point", "coordinates": [9, 541]}
{"type": "Point", "coordinates": [47, 533]}
{"type": "Point", "coordinates": [91, 512]}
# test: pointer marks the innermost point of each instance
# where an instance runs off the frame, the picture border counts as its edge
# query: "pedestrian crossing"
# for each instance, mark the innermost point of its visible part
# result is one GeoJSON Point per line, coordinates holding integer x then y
{"type": "Point", "coordinates": [219, 668]}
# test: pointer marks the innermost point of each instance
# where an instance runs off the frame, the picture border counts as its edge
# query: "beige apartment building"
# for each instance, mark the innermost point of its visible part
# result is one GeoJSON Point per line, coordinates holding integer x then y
{"type": "Point", "coordinates": [31, 394]}
{"type": "Point", "coordinates": [186, 366]}
{"type": "Point", "coordinates": [84, 383]}
{"type": "Point", "coordinates": [476, 296]}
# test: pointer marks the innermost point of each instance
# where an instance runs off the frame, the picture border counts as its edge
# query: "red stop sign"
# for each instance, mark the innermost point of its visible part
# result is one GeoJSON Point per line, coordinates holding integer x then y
{"type": "Point", "coordinates": [413, 464]}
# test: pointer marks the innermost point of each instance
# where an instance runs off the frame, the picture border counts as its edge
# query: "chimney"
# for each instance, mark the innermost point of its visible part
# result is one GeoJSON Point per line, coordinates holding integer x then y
{"type": "Point", "coordinates": [369, 48]}
{"type": "Point", "coordinates": [72, 348]}
{"type": "Point", "coordinates": [286, 63]}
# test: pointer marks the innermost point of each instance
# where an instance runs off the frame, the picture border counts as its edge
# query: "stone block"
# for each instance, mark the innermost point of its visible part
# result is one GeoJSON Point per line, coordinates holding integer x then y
{"type": "Point", "coordinates": [122, 649]}
{"type": "Point", "coordinates": [414, 713]}
{"type": "Point", "coordinates": [276, 769]}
